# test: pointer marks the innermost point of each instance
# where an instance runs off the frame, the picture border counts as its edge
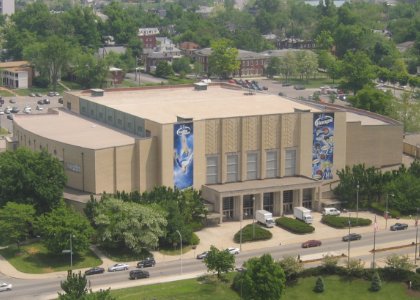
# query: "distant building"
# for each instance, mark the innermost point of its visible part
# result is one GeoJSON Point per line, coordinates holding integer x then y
{"type": "Point", "coordinates": [164, 51]}
{"type": "Point", "coordinates": [148, 36]}
{"type": "Point", "coordinates": [252, 63]}
{"type": "Point", "coordinates": [103, 51]}
{"type": "Point", "coordinates": [295, 43]}
{"type": "Point", "coordinates": [7, 7]}
{"type": "Point", "coordinates": [188, 48]}
{"type": "Point", "coordinates": [16, 74]}
{"type": "Point", "coordinates": [115, 75]}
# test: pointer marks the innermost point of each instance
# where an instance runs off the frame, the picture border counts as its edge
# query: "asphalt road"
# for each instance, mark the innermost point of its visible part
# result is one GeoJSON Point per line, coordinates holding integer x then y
{"type": "Point", "coordinates": [47, 288]}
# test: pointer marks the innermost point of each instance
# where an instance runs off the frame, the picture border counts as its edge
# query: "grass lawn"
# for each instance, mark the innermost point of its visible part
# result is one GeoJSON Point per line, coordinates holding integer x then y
{"type": "Point", "coordinates": [3, 131]}
{"type": "Point", "coordinates": [35, 259]}
{"type": "Point", "coordinates": [335, 288]}
{"type": "Point", "coordinates": [5, 94]}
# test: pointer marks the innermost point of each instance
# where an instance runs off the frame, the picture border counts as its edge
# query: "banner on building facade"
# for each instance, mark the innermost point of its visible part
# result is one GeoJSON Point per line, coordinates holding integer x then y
{"type": "Point", "coordinates": [183, 155]}
{"type": "Point", "coordinates": [323, 146]}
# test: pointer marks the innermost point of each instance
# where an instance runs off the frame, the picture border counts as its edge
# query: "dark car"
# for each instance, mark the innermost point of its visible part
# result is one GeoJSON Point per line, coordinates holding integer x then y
{"type": "Point", "coordinates": [38, 94]}
{"type": "Point", "coordinates": [136, 274]}
{"type": "Point", "coordinates": [15, 109]}
{"type": "Point", "coordinates": [10, 117]}
{"type": "Point", "coordinates": [311, 243]}
{"type": "Point", "coordinates": [286, 84]}
{"type": "Point", "coordinates": [299, 87]}
{"type": "Point", "coordinates": [352, 237]}
{"type": "Point", "coordinates": [96, 270]}
{"type": "Point", "coordinates": [40, 102]}
{"type": "Point", "coordinates": [12, 100]}
{"type": "Point", "coordinates": [148, 262]}
{"type": "Point", "coordinates": [202, 255]}
{"type": "Point", "coordinates": [46, 101]}
{"type": "Point", "coordinates": [60, 100]}
{"type": "Point", "coordinates": [399, 226]}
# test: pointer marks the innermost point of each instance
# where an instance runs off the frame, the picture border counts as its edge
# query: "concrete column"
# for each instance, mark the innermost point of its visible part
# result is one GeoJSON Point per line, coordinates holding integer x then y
{"type": "Point", "coordinates": [220, 208]}
{"type": "Point", "coordinates": [241, 207]}
{"type": "Point", "coordinates": [237, 207]}
{"type": "Point", "coordinates": [259, 198]}
{"type": "Point", "coordinates": [281, 203]}
{"type": "Point", "coordinates": [277, 207]}
{"type": "Point", "coordinates": [319, 198]}
{"type": "Point", "coordinates": [300, 199]}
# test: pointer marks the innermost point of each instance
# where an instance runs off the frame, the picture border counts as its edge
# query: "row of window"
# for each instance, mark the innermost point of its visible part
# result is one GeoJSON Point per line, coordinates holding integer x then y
{"type": "Point", "coordinates": [252, 166]}
{"type": "Point", "coordinates": [252, 62]}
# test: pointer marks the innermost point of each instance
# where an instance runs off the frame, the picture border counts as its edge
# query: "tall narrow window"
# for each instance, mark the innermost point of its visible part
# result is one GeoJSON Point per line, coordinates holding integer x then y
{"type": "Point", "coordinates": [271, 164]}
{"type": "Point", "coordinates": [212, 169]}
{"type": "Point", "coordinates": [232, 168]}
{"type": "Point", "coordinates": [290, 163]}
{"type": "Point", "coordinates": [252, 166]}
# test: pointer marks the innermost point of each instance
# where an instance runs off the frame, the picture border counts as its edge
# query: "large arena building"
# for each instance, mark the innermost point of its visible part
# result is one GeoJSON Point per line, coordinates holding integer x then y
{"type": "Point", "coordinates": [244, 151]}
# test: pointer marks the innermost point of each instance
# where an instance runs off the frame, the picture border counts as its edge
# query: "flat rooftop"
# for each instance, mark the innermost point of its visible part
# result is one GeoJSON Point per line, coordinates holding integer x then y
{"type": "Point", "coordinates": [74, 130]}
{"type": "Point", "coordinates": [164, 105]}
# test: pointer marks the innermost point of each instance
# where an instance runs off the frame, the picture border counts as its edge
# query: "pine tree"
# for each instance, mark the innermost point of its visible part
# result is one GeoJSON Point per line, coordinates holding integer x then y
{"type": "Point", "coordinates": [319, 285]}
{"type": "Point", "coordinates": [376, 283]}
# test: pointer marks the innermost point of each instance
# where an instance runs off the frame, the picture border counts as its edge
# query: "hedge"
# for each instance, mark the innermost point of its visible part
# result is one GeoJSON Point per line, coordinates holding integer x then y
{"type": "Point", "coordinates": [343, 222]}
{"type": "Point", "coordinates": [380, 210]}
{"type": "Point", "coordinates": [293, 225]}
{"type": "Point", "coordinates": [247, 233]}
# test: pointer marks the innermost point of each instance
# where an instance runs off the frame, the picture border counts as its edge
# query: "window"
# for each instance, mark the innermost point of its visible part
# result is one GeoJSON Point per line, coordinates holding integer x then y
{"type": "Point", "coordinates": [227, 208]}
{"type": "Point", "coordinates": [252, 166]}
{"type": "Point", "coordinates": [271, 164]}
{"type": "Point", "coordinates": [290, 163]}
{"type": "Point", "coordinates": [212, 169]}
{"type": "Point", "coordinates": [268, 204]}
{"type": "Point", "coordinates": [248, 209]}
{"type": "Point", "coordinates": [232, 168]}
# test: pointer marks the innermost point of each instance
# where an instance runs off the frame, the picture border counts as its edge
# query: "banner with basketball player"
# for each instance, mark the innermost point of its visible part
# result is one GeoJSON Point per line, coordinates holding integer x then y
{"type": "Point", "coordinates": [323, 146]}
{"type": "Point", "coordinates": [183, 155]}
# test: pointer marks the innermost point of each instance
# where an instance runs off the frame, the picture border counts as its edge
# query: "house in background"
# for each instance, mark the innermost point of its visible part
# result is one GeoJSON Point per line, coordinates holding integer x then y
{"type": "Point", "coordinates": [16, 74]}
{"type": "Point", "coordinates": [165, 50]}
{"type": "Point", "coordinates": [148, 36]}
{"type": "Point", "coordinates": [115, 76]}
{"type": "Point", "coordinates": [188, 48]}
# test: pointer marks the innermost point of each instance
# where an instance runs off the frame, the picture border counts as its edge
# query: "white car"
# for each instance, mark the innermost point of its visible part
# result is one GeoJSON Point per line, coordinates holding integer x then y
{"type": "Point", "coordinates": [5, 286]}
{"type": "Point", "coordinates": [39, 107]}
{"type": "Point", "coordinates": [1, 112]}
{"type": "Point", "coordinates": [233, 250]}
{"type": "Point", "coordinates": [118, 267]}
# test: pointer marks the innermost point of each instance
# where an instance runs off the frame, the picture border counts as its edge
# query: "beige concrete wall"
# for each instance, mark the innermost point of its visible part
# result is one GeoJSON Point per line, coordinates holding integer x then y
{"type": "Point", "coordinates": [376, 146]}
{"type": "Point", "coordinates": [147, 164]}
{"type": "Point", "coordinates": [73, 100]}
{"type": "Point", "coordinates": [199, 154]}
{"type": "Point", "coordinates": [166, 154]}
{"type": "Point", "coordinates": [105, 171]}
{"type": "Point", "coordinates": [125, 172]}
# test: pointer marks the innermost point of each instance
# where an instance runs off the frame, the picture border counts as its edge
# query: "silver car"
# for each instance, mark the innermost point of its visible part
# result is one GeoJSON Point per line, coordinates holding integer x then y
{"type": "Point", "coordinates": [5, 286]}
{"type": "Point", "coordinates": [118, 267]}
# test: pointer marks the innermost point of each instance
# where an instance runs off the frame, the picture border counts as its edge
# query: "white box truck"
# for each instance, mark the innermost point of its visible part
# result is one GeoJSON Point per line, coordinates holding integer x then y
{"type": "Point", "coordinates": [303, 214]}
{"type": "Point", "coordinates": [265, 217]}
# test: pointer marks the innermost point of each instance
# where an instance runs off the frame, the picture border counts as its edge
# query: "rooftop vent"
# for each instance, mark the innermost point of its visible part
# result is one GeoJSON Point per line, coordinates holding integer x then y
{"type": "Point", "coordinates": [97, 92]}
{"type": "Point", "coordinates": [200, 86]}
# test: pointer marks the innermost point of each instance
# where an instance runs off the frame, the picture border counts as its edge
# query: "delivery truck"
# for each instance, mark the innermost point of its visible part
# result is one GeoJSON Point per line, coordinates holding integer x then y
{"type": "Point", "coordinates": [303, 214]}
{"type": "Point", "coordinates": [265, 217]}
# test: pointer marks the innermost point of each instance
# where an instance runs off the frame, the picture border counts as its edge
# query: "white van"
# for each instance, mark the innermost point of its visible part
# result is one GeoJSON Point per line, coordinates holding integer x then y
{"type": "Point", "coordinates": [330, 211]}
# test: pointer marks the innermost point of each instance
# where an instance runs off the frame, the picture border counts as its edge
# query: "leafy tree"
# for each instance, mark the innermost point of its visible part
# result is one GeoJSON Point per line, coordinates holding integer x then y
{"type": "Point", "coordinates": [319, 285]}
{"type": "Point", "coordinates": [374, 100]}
{"type": "Point", "coordinates": [164, 69]}
{"type": "Point", "coordinates": [359, 70]}
{"type": "Point", "coordinates": [263, 278]}
{"type": "Point", "coordinates": [324, 40]}
{"type": "Point", "coordinates": [330, 262]}
{"type": "Point", "coordinates": [291, 267]}
{"type": "Point", "coordinates": [306, 63]}
{"type": "Point", "coordinates": [376, 284]}
{"type": "Point", "coordinates": [74, 286]}
{"type": "Point", "coordinates": [89, 70]}
{"type": "Point", "coordinates": [356, 267]}
{"type": "Point", "coordinates": [273, 67]}
{"type": "Point", "coordinates": [50, 57]}
{"type": "Point", "coordinates": [396, 261]}
{"type": "Point", "coordinates": [223, 59]}
{"type": "Point", "coordinates": [16, 222]}
{"type": "Point", "coordinates": [128, 224]}
{"type": "Point", "coordinates": [119, 23]}
{"type": "Point", "coordinates": [30, 177]}
{"type": "Point", "coordinates": [57, 226]}
{"type": "Point", "coordinates": [219, 261]}
{"type": "Point", "coordinates": [288, 65]}
{"type": "Point", "coordinates": [182, 65]}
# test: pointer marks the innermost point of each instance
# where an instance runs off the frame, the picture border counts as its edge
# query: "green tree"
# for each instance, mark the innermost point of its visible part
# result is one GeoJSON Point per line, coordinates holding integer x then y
{"type": "Point", "coordinates": [120, 24]}
{"type": "Point", "coordinates": [374, 100]}
{"type": "Point", "coordinates": [57, 226]}
{"type": "Point", "coordinates": [288, 65]}
{"type": "Point", "coordinates": [30, 177]}
{"type": "Point", "coordinates": [376, 284]}
{"type": "Point", "coordinates": [164, 69]}
{"type": "Point", "coordinates": [74, 286]}
{"type": "Point", "coordinates": [319, 285]}
{"type": "Point", "coordinates": [263, 278]}
{"type": "Point", "coordinates": [291, 267]}
{"type": "Point", "coordinates": [357, 70]}
{"type": "Point", "coordinates": [16, 222]}
{"type": "Point", "coordinates": [50, 57]}
{"type": "Point", "coordinates": [128, 224]}
{"type": "Point", "coordinates": [324, 40]}
{"type": "Point", "coordinates": [223, 60]}
{"type": "Point", "coordinates": [273, 67]}
{"type": "Point", "coordinates": [90, 71]}
{"type": "Point", "coordinates": [219, 261]}
{"type": "Point", "coordinates": [396, 261]}
{"type": "Point", "coordinates": [182, 65]}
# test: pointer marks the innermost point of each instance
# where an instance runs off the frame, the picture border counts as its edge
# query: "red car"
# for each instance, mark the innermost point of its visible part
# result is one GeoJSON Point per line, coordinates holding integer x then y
{"type": "Point", "coordinates": [311, 243]}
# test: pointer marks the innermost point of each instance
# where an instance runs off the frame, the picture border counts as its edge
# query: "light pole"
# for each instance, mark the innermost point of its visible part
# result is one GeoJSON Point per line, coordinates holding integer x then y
{"type": "Point", "coordinates": [240, 232]}
{"type": "Point", "coordinates": [70, 251]}
{"type": "Point", "coordinates": [357, 202]}
{"type": "Point", "coordinates": [417, 234]}
{"type": "Point", "coordinates": [180, 237]}
{"type": "Point", "coordinates": [386, 210]}
{"type": "Point", "coordinates": [348, 245]}
{"type": "Point", "coordinates": [253, 217]}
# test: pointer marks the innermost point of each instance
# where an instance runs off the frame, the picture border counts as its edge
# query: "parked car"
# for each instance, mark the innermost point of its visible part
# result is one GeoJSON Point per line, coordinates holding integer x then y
{"type": "Point", "coordinates": [60, 100]}
{"type": "Point", "coordinates": [202, 255]}
{"type": "Point", "coordinates": [311, 243]}
{"type": "Point", "coordinates": [10, 117]}
{"type": "Point", "coordinates": [5, 286]}
{"type": "Point", "coordinates": [95, 270]}
{"type": "Point", "coordinates": [38, 94]}
{"type": "Point", "coordinates": [232, 250]}
{"type": "Point", "coordinates": [46, 101]}
{"type": "Point", "coordinates": [1, 112]}
{"type": "Point", "coordinates": [27, 110]}
{"type": "Point", "coordinates": [8, 110]}
{"type": "Point", "coordinates": [399, 226]}
{"type": "Point", "coordinates": [31, 95]}
{"type": "Point", "coordinates": [56, 94]}
{"type": "Point", "coordinates": [352, 237]}
{"type": "Point", "coordinates": [148, 262]}
{"type": "Point", "coordinates": [12, 100]}
{"type": "Point", "coordinates": [299, 87]}
{"type": "Point", "coordinates": [39, 107]}
{"type": "Point", "coordinates": [15, 109]}
{"type": "Point", "coordinates": [136, 274]}
{"type": "Point", "coordinates": [51, 94]}
{"type": "Point", "coordinates": [118, 267]}
{"type": "Point", "coordinates": [40, 102]}
{"type": "Point", "coordinates": [286, 84]}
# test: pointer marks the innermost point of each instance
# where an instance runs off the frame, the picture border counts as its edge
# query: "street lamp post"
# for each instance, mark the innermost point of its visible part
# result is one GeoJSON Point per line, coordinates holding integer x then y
{"type": "Point", "coordinates": [180, 237]}
{"type": "Point", "coordinates": [253, 217]}
{"type": "Point", "coordinates": [386, 210]}
{"type": "Point", "coordinates": [348, 245]}
{"type": "Point", "coordinates": [71, 252]}
{"type": "Point", "coordinates": [240, 233]}
{"type": "Point", "coordinates": [357, 202]}
{"type": "Point", "coordinates": [417, 234]}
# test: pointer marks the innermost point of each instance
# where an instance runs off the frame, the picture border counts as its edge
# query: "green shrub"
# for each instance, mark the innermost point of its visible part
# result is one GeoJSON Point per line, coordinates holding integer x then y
{"type": "Point", "coordinates": [343, 222]}
{"type": "Point", "coordinates": [376, 283]}
{"type": "Point", "coordinates": [319, 285]}
{"type": "Point", "coordinates": [195, 240]}
{"type": "Point", "coordinates": [418, 270]}
{"type": "Point", "coordinates": [248, 232]}
{"type": "Point", "coordinates": [380, 209]}
{"type": "Point", "coordinates": [415, 282]}
{"type": "Point", "coordinates": [293, 225]}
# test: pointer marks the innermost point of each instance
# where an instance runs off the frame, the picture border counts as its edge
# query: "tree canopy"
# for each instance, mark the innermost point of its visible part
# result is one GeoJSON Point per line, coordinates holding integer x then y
{"type": "Point", "coordinates": [223, 60]}
{"type": "Point", "coordinates": [219, 261]}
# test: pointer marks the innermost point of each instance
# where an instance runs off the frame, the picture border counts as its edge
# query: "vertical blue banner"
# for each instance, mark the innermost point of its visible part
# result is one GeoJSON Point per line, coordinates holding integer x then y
{"type": "Point", "coordinates": [183, 155]}
{"type": "Point", "coordinates": [323, 146]}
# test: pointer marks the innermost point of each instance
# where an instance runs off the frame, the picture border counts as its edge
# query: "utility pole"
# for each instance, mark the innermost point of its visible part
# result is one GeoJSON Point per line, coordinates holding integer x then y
{"type": "Point", "coordinates": [180, 237]}
{"type": "Point", "coordinates": [253, 217]}
{"type": "Point", "coordinates": [71, 253]}
{"type": "Point", "coordinates": [348, 245]}
{"type": "Point", "coordinates": [357, 203]}
{"type": "Point", "coordinates": [417, 234]}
